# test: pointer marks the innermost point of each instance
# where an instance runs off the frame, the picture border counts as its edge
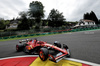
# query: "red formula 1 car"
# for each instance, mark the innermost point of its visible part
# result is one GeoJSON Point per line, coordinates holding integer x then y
{"type": "Point", "coordinates": [55, 52]}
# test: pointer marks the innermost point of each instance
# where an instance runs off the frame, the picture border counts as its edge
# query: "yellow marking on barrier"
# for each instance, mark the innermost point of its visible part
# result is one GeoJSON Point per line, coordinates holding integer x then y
{"type": "Point", "coordinates": [38, 62]}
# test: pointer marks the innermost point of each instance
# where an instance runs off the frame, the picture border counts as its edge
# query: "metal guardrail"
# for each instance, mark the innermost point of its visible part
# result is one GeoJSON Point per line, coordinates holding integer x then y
{"type": "Point", "coordinates": [52, 32]}
{"type": "Point", "coordinates": [32, 31]}
{"type": "Point", "coordinates": [35, 34]}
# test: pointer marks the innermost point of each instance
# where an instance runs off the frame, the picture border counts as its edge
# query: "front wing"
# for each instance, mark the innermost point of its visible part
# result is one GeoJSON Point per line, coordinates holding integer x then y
{"type": "Point", "coordinates": [57, 57]}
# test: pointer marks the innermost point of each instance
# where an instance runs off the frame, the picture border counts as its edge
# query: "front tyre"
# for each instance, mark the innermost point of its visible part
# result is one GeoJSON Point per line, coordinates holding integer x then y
{"type": "Point", "coordinates": [66, 47]}
{"type": "Point", "coordinates": [58, 45]}
{"type": "Point", "coordinates": [43, 54]}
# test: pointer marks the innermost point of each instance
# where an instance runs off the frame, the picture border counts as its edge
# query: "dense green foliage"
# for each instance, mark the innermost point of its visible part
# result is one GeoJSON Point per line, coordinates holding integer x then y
{"type": "Point", "coordinates": [91, 16]}
{"type": "Point", "coordinates": [24, 25]}
{"type": "Point", "coordinates": [3, 23]}
{"type": "Point", "coordinates": [36, 12]}
{"type": "Point", "coordinates": [55, 18]}
{"type": "Point", "coordinates": [36, 9]}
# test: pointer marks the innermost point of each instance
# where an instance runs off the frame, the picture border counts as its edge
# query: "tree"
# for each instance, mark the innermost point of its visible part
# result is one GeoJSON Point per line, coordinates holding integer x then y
{"type": "Point", "coordinates": [24, 25]}
{"type": "Point", "coordinates": [3, 23]}
{"type": "Point", "coordinates": [36, 12]}
{"type": "Point", "coordinates": [23, 14]}
{"type": "Point", "coordinates": [55, 18]}
{"type": "Point", "coordinates": [91, 16]}
{"type": "Point", "coordinates": [94, 17]}
{"type": "Point", "coordinates": [87, 16]}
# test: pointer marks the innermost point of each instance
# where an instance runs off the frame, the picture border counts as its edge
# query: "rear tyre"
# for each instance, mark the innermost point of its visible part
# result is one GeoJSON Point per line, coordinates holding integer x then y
{"type": "Point", "coordinates": [43, 54]}
{"type": "Point", "coordinates": [19, 47]}
{"type": "Point", "coordinates": [65, 46]}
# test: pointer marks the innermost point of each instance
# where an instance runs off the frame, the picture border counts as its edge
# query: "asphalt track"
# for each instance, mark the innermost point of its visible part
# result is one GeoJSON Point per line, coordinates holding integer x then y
{"type": "Point", "coordinates": [83, 45]}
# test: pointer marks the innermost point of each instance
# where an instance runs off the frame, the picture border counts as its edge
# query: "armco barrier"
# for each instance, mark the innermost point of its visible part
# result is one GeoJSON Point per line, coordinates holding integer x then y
{"type": "Point", "coordinates": [5, 37]}
{"type": "Point", "coordinates": [12, 37]}
{"type": "Point", "coordinates": [0, 38]}
{"type": "Point", "coordinates": [19, 36]}
{"type": "Point", "coordinates": [43, 34]}
{"type": "Point", "coordinates": [38, 34]}
{"type": "Point", "coordinates": [61, 31]}
{"type": "Point", "coordinates": [50, 33]}
{"type": "Point", "coordinates": [25, 35]}
{"type": "Point", "coordinates": [55, 32]}
{"type": "Point", "coordinates": [32, 34]}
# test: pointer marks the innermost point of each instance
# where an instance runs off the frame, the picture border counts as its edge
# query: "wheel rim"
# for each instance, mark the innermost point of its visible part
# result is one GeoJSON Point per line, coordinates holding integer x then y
{"type": "Point", "coordinates": [17, 47]}
{"type": "Point", "coordinates": [41, 54]}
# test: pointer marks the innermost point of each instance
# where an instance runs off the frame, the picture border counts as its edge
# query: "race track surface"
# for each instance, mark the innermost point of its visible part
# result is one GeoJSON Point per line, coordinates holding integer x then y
{"type": "Point", "coordinates": [83, 45]}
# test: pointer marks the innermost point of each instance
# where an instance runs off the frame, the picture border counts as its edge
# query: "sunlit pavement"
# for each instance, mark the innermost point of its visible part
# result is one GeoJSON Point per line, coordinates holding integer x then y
{"type": "Point", "coordinates": [36, 61]}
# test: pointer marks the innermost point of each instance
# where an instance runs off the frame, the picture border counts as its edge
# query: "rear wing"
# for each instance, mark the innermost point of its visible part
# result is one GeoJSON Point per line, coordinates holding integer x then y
{"type": "Point", "coordinates": [21, 41]}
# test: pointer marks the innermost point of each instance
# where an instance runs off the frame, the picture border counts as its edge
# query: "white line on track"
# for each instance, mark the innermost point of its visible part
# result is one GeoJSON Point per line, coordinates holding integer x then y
{"type": "Point", "coordinates": [19, 57]}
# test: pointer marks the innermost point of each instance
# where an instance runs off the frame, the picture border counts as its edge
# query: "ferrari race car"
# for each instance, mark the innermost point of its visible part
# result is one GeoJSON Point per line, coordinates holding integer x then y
{"type": "Point", "coordinates": [55, 52]}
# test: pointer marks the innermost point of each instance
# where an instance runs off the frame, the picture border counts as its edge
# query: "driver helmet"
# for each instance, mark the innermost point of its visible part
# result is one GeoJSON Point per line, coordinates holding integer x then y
{"type": "Point", "coordinates": [56, 42]}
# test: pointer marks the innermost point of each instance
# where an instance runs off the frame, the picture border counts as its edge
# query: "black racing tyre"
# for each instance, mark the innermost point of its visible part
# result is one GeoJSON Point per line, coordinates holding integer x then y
{"type": "Point", "coordinates": [58, 45]}
{"type": "Point", "coordinates": [19, 47]}
{"type": "Point", "coordinates": [66, 47]}
{"type": "Point", "coordinates": [43, 54]}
